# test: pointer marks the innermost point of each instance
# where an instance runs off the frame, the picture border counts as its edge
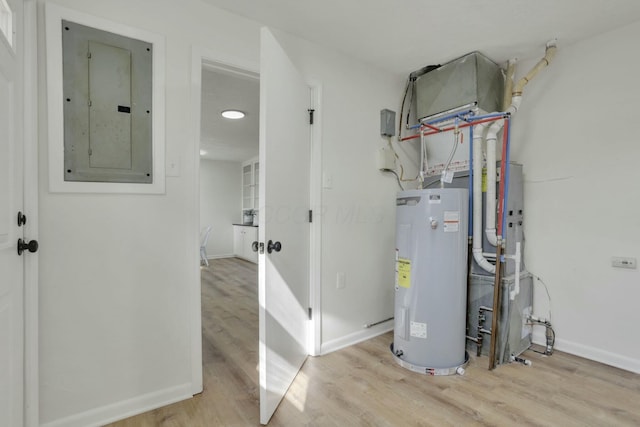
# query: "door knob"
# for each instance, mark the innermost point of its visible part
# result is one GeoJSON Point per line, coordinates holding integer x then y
{"type": "Point", "coordinates": [31, 246]}
{"type": "Point", "coordinates": [271, 246]}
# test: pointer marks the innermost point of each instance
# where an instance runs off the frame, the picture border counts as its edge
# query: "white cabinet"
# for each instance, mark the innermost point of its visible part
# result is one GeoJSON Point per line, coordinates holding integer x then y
{"type": "Point", "coordinates": [250, 184]}
{"type": "Point", "coordinates": [243, 238]}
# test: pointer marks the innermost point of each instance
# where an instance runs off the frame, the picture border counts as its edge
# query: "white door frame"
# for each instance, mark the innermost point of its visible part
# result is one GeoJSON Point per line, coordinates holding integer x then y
{"type": "Point", "coordinates": [31, 367]}
{"type": "Point", "coordinates": [200, 56]}
{"type": "Point", "coordinates": [315, 251]}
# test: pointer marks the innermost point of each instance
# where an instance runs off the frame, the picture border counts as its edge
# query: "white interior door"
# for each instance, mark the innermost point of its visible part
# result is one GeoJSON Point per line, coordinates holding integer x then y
{"type": "Point", "coordinates": [11, 201]}
{"type": "Point", "coordinates": [283, 218]}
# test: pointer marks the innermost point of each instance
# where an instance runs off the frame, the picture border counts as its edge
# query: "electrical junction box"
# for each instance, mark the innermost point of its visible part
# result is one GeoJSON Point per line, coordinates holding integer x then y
{"type": "Point", "coordinates": [387, 122]}
{"type": "Point", "coordinates": [386, 160]}
{"type": "Point", "coordinates": [107, 99]}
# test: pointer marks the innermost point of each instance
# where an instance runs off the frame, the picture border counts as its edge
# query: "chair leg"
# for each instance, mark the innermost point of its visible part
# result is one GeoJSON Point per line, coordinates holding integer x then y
{"type": "Point", "coordinates": [203, 257]}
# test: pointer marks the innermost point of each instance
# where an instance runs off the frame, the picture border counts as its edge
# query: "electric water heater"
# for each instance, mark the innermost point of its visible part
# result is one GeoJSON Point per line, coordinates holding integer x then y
{"type": "Point", "coordinates": [431, 280]}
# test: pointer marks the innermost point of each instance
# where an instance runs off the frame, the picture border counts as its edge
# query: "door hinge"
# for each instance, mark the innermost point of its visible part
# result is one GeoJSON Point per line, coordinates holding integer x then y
{"type": "Point", "coordinates": [310, 215]}
{"type": "Point", "coordinates": [311, 110]}
{"type": "Point", "coordinates": [310, 313]}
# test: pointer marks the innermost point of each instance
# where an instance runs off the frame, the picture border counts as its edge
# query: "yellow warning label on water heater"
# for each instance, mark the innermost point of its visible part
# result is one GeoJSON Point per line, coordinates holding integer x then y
{"type": "Point", "coordinates": [404, 272]}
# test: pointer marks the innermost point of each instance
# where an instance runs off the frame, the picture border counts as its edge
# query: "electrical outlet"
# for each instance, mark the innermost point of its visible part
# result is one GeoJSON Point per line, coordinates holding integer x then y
{"type": "Point", "coordinates": [624, 262]}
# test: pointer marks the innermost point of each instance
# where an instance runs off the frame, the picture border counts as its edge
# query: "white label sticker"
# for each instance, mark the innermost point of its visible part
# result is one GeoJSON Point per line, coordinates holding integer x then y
{"type": "Point", "coordinates": [451, 221]}
{"type": "Point", "coordinates": [418, 330]}
{"type": "Point", "coordinates": [434, 199]}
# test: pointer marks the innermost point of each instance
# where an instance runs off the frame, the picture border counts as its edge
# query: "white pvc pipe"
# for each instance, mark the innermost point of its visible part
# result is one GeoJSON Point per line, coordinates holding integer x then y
{"type": "Point", "coordinates": [490, 215]}
{"type": "Point", "coordinates": [477, 201]}
{"type": "Point", "coordinates": [492, 137]}
{"type": "Point", "coordinates": [517, 259]}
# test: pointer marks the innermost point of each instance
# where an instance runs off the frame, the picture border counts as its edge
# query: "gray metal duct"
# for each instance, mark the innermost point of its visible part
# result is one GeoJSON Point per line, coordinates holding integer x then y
{"type": "Point", "coordinates": [470, 80]}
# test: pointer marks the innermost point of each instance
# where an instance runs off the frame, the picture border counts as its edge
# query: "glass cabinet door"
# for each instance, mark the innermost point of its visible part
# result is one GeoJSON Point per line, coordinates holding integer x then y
{"type": "Point", "coordinates": [247, 187]}
{"type": "Point", "coordinates": [256, 185]}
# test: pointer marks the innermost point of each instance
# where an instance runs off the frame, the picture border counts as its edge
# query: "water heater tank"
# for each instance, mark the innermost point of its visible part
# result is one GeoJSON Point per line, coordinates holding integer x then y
{"type": "Point", "coordinates": [431, 280]}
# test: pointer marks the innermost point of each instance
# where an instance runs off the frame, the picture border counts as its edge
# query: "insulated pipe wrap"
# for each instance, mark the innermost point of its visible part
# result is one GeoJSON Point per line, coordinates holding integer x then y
{"type": "Point", "coordinates": [545, 61]}
{"type": "Point", "coordinates": [511, 69]}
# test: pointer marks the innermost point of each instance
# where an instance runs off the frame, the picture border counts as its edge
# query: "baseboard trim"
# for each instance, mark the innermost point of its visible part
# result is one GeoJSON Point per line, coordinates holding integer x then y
{"type": "Point", "coordinates": [124, 409]}
{"type": "Point", "coordinates": [592, 353]}
{"type": "Point", "coordinates": [355, 337]}
{"type": "Point", "coordinates": [220, 256]}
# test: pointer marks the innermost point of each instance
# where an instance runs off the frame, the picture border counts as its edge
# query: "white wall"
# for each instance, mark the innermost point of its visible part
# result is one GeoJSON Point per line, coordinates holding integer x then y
{"type": "Point", "coordinates": [358, 212]}
{"type": "Point", "coordinates": [220, 203]}
{"type": "Point", "coordinates": [575, 136]}
{"type": "Point", "coordinates": [115, 306]}
{"type": "Point", "coordinates": [117, 271]}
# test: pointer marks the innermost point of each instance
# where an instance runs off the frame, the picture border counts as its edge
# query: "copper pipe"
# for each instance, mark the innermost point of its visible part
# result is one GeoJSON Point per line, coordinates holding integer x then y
{"type": "Point", "coordinates": [497, 297]}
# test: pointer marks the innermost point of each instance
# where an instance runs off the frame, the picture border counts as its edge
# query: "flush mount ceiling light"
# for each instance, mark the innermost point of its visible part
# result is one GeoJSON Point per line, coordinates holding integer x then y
{"type": "Point", "coordinates": [232, 114]}
{"type": "Point", "coordinates": [203, 152]}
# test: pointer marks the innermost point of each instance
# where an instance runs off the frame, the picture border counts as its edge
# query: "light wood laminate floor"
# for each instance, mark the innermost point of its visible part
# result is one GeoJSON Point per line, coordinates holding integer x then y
{"type": "Point", "coordinates": [362, 385]}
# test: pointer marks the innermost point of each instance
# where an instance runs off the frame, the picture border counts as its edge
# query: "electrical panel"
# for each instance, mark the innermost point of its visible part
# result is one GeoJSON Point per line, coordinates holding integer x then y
{"type": "Point", "coordinates": [107, 98]}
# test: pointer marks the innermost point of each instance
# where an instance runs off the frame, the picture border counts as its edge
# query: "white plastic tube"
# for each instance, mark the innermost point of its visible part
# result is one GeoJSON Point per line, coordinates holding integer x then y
{"type": "Point", "coordinates": [478, 132]}
{"type": "Point", "coordinates": [517, 258]}
{"type": "Point", "coordinates": [492, 137]}
{"type": "Point", "coordinates": [490, 215]}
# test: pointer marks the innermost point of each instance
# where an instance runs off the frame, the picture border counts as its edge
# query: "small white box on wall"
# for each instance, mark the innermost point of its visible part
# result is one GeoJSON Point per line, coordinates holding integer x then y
{"type": "Point", "coordinates": [386, 159]}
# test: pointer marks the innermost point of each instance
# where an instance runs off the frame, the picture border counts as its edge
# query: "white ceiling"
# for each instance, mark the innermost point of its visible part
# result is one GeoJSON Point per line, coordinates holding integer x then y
{"type": "Point", "coordinates": [404, 35]}
{"type": "Point", "coordinates": [224, 139]}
